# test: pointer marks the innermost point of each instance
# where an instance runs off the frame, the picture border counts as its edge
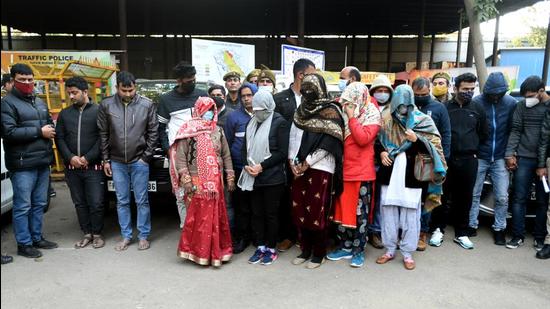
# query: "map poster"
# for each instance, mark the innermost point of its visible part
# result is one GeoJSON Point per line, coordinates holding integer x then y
{"type": "Point", "coordinates": [290, 53]}
{"type": "Point", "coordinates": [212, 59]}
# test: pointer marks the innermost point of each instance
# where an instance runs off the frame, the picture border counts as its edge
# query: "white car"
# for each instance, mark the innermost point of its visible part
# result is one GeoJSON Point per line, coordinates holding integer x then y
{"type": "Point", "coordinates": [7, 191]}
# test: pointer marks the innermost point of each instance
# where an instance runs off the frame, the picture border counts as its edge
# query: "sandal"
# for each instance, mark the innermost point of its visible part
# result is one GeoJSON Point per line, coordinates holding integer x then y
{"type": "Point", "coordinates": [143, 244]}
{"type": "Point", "coordinates": [84, 242]}
{"type": "Point", "coordinates": [123, 245]}
{"type": "Point", "coordinates": [98, 242]}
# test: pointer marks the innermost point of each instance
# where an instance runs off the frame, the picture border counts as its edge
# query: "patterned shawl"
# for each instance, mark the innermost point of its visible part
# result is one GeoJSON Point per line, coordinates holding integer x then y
{"type": "Point", "coordinates": [207, 163]}
{"type": "Point", "coordinates": [393, 138]}
{"type": "Point", "coordinates": [317, 114]}
{"type": "Point", "coordinates": [367, 110]}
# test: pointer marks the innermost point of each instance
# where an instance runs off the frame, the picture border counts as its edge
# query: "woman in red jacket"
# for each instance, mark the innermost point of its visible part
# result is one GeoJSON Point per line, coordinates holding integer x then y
{"type": "Point", "coordinates": [362, 119]}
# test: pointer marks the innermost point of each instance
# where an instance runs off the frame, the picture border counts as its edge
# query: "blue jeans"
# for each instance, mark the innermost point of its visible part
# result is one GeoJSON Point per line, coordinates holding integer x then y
{"type": "Point", "coordinates": [30, 196]}
{"type": "Point", "coordinates": [500, 177]}
{"type": "Point", "coordinates": [523, 178]}
{"type": "Point", "coordinates": [136, 175]}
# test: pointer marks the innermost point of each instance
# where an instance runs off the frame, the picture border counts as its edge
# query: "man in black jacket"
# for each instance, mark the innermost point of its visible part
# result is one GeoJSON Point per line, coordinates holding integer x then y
{"type": "Point", "coordinates": [544, 171]}
{"type": "Point", "coordinates": [77, 138]}
{"type": "Point", "coordinates": [468, 128]}
{"type": "Point", "coordinates": [128, 128]}
{"type": "Point", "coordinates": [286, 103]}
{"type": "Point", "coordinates": [27, 131]}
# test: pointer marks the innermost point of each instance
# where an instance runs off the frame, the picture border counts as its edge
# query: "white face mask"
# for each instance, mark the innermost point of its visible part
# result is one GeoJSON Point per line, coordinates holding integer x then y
{"type": "Point", "coordinates": [530, 102]}
{"type": "Point", "coordinates": [403, 110]}
{"type": "Point", "coordinates": [382, 97]}
{"type": "Point", "coordinates": [268, 88]}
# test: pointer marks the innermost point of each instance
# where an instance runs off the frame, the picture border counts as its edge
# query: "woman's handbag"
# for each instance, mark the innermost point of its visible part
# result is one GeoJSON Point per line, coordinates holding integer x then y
{"type": "Point", "coordinates": [423, 168]}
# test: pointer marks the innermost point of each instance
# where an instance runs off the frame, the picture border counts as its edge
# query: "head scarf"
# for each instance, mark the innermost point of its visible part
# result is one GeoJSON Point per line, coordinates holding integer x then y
{"type": "Point", "coordinates": [323, 125]}
{"type": "Point", "coordinates": [318, 114]}
{"type": "Point", "coordinates": [257, 137]}
{"type": "Point", "coordinates": [366, 110]}
{"type": "Point", "coordinates": [393, 138]}
{"type": "Point", "coordinates": [207, 163]}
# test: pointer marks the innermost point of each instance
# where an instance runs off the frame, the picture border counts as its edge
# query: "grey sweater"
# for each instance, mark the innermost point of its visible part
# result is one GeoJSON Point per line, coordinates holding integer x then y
{"type": "Point", "coordinates": [526, 127]}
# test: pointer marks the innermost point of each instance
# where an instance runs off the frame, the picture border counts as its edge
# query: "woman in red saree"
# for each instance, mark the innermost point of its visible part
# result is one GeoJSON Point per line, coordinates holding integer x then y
{"type": "Point", "coordinates": [198, 159]}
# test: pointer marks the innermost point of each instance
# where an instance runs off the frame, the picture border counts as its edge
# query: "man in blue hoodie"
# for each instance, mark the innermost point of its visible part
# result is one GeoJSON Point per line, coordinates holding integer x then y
{"type": "Point", "coordinates": [235, 129]}
{"type": "Point", "coordinates": [499, 110]}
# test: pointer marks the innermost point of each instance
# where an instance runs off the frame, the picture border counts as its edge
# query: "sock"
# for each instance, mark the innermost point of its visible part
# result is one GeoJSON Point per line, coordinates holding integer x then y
{"type": "Point", "coordinates": [270, 250]}
{"type": "Point", "coordinates": [262, 248]}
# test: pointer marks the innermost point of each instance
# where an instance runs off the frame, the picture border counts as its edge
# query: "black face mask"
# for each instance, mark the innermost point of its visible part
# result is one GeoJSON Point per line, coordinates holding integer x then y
{"type": "Point", "coordinates": [422, 100]}
{"type": "Point", "coordinates": [187, 87]}
{"type": "Point", "coordinates": [495, 98]}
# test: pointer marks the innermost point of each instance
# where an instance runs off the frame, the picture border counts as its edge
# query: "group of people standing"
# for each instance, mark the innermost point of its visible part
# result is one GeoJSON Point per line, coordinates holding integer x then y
{"type": "Point", "coordinates": [252, 165]}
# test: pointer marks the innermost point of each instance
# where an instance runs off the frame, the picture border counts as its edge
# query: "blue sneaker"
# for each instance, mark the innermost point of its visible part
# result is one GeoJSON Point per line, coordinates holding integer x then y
{"type": "Point", "coordinates": [340, 254]}
{"type": "Point", "coordinates": [358, 260]}
{"type": "Point", "coordinates": [256, 257]}
{"type": "Point", "coordinates": [269, 257]}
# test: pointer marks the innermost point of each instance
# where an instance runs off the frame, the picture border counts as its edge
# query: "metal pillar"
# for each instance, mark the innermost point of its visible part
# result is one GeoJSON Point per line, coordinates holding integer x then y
{"type": "Point", "coordinates": [10, 41]}
{"type": "Point", "coordinates": [301, 21]}
{"type": "Point", "coordinates": [470, 51]}
{"type": "Point", "coordinates": [546, 62]}
{"type": "Point", "coordinates": [495, 42]}
{"type": "Point", "coordinates": [420, 42]}
{"type": "Point", "coordinates": [43, 41]}
{"type": "Point", "coordinates": [432, 51]}
{"type": "Point", "coordinates": [352, 58]}
{"type": "Point", "coordinates": [369, 42]}
{"type": "Point", "coordinates": [459, 40]}
{"type": "Point", "coordinates": [123, 34]}
{"type": "Point", "coordinates": [75, 42]}
{"type": "Point", "coordinates": [165, 56]}
{"type": "Point", "coordinates": [389, 55]}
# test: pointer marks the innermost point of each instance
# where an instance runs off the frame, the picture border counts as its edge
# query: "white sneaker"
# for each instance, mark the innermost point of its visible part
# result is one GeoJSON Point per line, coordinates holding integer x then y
{"type": "Point", "coordinates": [464, 242]}
{"type": "Point", "coordinates": [437, 238]}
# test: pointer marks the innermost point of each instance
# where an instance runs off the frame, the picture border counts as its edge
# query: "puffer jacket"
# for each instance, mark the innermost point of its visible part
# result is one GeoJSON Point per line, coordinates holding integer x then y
{"type": "Point", "coordinates": [128, 132]}
{"type": "Point", "coordinates": [22, 121]}
{"type": "Point", "coordinates": [499, 117]}
{"type": "Point", "coordinates": [544, 145]}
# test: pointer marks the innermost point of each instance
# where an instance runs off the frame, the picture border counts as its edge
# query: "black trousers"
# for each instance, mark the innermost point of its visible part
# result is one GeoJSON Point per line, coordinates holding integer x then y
{"type": "Point", "coordinates": [87, 192]}
{"type": "Point", "coordinates": [287, 230]}
{"type": "Point", "coordinates": [243, 213]}
{"type": "Point", "coordinates": [265, 214]}
{"type": "Point", "coordinates": [461, 181]}
{"type": "Point", "coordinates": [314, 242]}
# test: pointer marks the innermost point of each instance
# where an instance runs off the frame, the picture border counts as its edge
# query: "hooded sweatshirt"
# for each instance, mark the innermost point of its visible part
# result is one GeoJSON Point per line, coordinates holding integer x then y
{"type": "Point", "coordinates": [499, 113]}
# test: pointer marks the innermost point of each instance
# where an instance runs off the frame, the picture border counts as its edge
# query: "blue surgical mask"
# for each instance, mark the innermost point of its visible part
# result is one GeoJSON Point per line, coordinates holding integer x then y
{"type": "Point", "coordinates": [382, 97]}
{"type": "Point", "coordinates": [209, 115]}
{"type": "Point", "coordinates": [342, 84]}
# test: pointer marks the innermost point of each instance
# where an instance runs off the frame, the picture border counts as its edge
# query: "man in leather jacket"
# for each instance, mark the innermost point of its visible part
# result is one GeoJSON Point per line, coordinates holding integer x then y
{"type": "Point", "coordinates": [128, 127]}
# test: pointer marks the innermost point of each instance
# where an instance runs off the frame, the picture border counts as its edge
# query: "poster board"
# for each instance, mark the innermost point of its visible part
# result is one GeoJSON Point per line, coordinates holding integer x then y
{"type": "Point", "coordinates": [290, 54]}
{"type": "Point", "coordinates": [213, 59]}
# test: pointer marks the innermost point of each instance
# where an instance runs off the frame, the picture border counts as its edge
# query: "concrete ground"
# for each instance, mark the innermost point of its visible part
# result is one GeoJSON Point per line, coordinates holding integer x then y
{"type": "Point", "coordinates": [445, 277]}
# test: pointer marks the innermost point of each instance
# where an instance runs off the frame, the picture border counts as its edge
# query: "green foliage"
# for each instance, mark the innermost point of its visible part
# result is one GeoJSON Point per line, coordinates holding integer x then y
{"type": "Point", "coordinates": [486, 9]}
{"type": "Point", "coordinates": [535, 38]}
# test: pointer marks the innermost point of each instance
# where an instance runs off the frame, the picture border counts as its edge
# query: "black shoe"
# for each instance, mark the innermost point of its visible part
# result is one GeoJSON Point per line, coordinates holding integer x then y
{"type": "Point", "coordinates": [28, 251]}
{"type": "Point", "coordinates": [6, 259]}
{"type": "Point", "coordinates": [471, 232]}
{"type": "Point", "coordinates": [544, 253]}
{"type": "Point", "coordinates": [44, 244]}
{"type": "Point", "coordinates": [53, 193]}
{"type": "Point", "coordinates": [514, 243]}
{"type": "Point", "coordinates": [499, 237]}
{"type": "Point", "coordinates": [538, 244]}
{"type": "Point", "coordinates": [239, 246]}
